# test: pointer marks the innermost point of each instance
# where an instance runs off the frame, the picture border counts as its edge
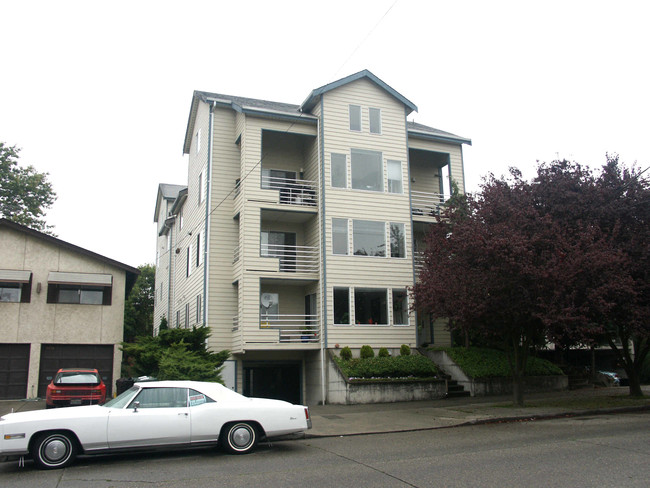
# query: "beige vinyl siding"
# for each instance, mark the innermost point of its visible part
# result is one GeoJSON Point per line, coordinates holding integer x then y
{"type": "Point", "coordinates": [363, 271]}
{"type": "Point", "coordinates": [222, 294]}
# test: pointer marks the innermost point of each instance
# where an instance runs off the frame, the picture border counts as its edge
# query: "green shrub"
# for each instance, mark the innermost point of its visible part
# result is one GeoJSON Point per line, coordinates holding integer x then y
{"type": "Point", "coordinates": [404, 350]}
{"type": "Point", "coordinates": [366, 352]}
{"type": "Point", "coordinates": [479, 362]}
{"type": "Point", "coordinates": [383, 353]}
{"type": "Point", "coordinates": [346, 353]}
{"type": "Point", "coordinates": [414, 366]}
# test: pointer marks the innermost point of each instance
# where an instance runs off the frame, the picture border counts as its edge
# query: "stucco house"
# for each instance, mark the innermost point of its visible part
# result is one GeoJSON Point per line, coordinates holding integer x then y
{"type": "Point", "coordinates": [299, 227]}
{"type": "Point", "coordinates": [60, 306]}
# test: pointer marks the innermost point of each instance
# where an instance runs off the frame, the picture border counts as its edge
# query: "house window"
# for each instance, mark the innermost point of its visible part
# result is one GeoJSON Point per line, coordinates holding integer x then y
{"type": "Point", "coordinates": [374, 114]}
{"type": "Point", "coordinates": [339, 172]}
{"type": "Point", "coordinates": [370, 306]}
{"type": "Point", "coordinates": [198, 250]}
{"type": "Point", "coordinates": [198, 308]}
{"type": "Point", "coordinates": [400, 307]}
{"type": "Point", "coordinates": [369, 238]}
{"type": "Point", "coordinates": [79, 288]}
{"type": "Point", "coordinates": [15, 286]}
{"type": "Point", "coordinates": [180, 218]}
{"type": "Point", "coordinates": [355, 118]}
{"type": "Point", "coordinates": [178, 318]}
{"type": "Point", "coordinates": [198, 141]}
{"type": "Point", "coordinates": [397, 241]}
{"type": "Point", "coordinates": [187, 315]}
{"type": "Point", "coordinates": [340, 236]}
{"type": "Point", "coordinates": [188, 269]}
{"type": "Point", "coordinates": [342, 306]}
{"type": "Point", "coordinates": [394, 176]}
{"type": "Point", "coordinates": [200, 187]}
{"type": "Point", "coordinates": [367, 170]}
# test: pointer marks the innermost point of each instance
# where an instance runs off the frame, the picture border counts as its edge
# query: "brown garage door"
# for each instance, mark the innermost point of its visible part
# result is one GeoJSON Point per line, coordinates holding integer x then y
{"type": "Point", "coordinates": [56, 356]}
{"type": "Point", "coordinates": [14, 368]}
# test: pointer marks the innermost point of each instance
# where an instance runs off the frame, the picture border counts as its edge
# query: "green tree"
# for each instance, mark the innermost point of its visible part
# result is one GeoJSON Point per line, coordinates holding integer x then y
{"type": "Point", "coordinates": [25, 194]}
{"type": "Point", "coordinates": [174, 354]}
{"type": "Point", "coordinates": [138, 309]}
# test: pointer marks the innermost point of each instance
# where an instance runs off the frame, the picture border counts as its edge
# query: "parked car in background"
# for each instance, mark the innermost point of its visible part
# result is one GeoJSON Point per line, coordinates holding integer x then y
{"type": "Point", "coordinates": [609, 378]}
{"type": "Point", "coordinates": [71, 387]}
{"type": "Point", "coordinates": [150, 415]}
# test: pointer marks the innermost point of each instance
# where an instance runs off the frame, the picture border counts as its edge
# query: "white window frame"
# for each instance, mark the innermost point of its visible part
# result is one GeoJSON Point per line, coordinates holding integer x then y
{"type": "Point", "coordinates": [392, 307]}
{"type": "Point", "coordinates": [355, 110]}
{"type": "Point", "coordinates": [390, 242]}
{"type": "Point", "coordinates": [372, 110]}
{"type": "Point", "coordinates": [344, 223]}
{"type": "Point", "coordinates": [393, 163]}
{"type": "Point", "coordinates": [359, 231]}
{"type": "Point", "coordinates": [349, 312]}
{"type": "Point", "coordinates": [365, 153]}
{"type": "Point", "coordinates": [335, 159]}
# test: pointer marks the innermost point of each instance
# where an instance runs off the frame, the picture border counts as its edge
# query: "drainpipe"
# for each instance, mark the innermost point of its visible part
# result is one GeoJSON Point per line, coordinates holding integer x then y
{"type": "Point", "coordinates": [169, 284]}
{"type": "Point", "coordinates": [408, 182]}
{"type": "Point", "coordinates": [323, 341]}
{"type": "Point", "coordinates": [208, 203]}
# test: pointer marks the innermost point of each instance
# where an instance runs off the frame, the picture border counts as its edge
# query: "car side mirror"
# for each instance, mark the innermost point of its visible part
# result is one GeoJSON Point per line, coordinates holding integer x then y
{"type": "Point", "coordinates": [136, 405]}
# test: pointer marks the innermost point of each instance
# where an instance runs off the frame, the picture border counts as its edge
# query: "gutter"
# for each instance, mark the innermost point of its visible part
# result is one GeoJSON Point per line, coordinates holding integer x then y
{"type": "Point", "coordinates": [323, 341]}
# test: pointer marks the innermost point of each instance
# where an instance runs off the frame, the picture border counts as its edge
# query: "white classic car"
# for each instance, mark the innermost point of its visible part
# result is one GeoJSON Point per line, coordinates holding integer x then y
{"type": "Point", "coordinates": [151, 415]}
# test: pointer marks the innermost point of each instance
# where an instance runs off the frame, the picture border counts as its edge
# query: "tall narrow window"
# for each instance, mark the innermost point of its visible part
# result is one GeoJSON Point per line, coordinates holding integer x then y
{"type": "Point", "coordinates": [367, 170]}
{"type": "Point", "coordinates": [374, 114]}
{"type": "Point", "coordinates": [339, 170]}
{"type": "Point", "coordinates": [369, 238]}
{"type": "Point", "coordinates": [340, 236]}
{"type": "Point", "coordinates": [355, 117]}
{"type": "Point", "coordinates": [198, 250]}
{"type": "Point", "coordinates": [200, 187]}
{"type": "Point", "coordinates": [400, 307]}
{"type": "Point", "coordinates": [342, 306]}
{"type": "Point", "coordinates": [198, 309]}
{"type": "Point", "coordinates": [187, 315]}
{"type": "Point", "coordinates": [394, 176]}
{"type": "Point", "coordinates": [397, 241]}
{"type": "Point", "coordinates": [188, 268]}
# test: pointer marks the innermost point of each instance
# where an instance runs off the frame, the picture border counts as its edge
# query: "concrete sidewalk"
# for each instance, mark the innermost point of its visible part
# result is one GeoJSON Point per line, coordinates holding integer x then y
{"type": "Point", "coordinates": [341, 420]}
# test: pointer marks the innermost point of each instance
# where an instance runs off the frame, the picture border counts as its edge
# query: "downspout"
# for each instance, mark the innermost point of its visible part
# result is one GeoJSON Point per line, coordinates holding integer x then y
{"type": "Point", "coordinates": [169, 285]}
{"type": "Point", "coordinates": [323, 342]}
{"type": "Point", "coordinates": [208, 203]}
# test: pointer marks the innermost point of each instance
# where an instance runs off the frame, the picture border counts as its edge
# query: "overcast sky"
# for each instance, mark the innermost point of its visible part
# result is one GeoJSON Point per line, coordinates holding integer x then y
{"type": "Point", "coordinates": [97, 94]}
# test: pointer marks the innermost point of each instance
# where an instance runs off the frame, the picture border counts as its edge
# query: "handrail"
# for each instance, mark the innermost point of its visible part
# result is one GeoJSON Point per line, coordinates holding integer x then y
{"type": "Point", "coordinates": [293, 327]}
{"type": "Point", "coordinates": [425, 203]}
{"type": "Point", "coordinates": [292, 191]}
{"type": "Point", "coordinates": [301, 259]}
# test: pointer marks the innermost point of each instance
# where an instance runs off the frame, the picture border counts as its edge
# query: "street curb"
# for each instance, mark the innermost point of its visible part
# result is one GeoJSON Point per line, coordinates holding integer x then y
{"type": "Point", "coordinates": [495, 420]}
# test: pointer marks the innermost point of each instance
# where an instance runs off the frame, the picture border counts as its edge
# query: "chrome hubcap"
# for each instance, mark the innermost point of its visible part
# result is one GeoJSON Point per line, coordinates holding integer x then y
{"type": "Point", "coordinates": [241, 437]}
{"type": "Point", "coordinates": [55, 450]}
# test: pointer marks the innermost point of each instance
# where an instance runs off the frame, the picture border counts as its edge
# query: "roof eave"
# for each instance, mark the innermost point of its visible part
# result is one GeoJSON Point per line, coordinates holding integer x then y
{"type": "Point", "coordinates": [439, 138]}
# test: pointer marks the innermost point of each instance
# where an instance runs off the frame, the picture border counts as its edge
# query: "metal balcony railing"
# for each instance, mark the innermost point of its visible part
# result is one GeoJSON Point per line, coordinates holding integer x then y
{"type": "Point", "coordinates": [292, 191]}
{"type": "Point", "coordinates": [293, 259]}
{"type": "Point", "coordinates": [426, 204]}
{"type": "Point", "coordinates": [293, 328]}
{"type": "Point", "coordinates": [418, 261]}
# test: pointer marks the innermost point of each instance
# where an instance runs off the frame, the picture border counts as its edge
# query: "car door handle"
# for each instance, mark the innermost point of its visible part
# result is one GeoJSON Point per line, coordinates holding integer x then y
{"type": "Point", "coordinates": [183, 413]}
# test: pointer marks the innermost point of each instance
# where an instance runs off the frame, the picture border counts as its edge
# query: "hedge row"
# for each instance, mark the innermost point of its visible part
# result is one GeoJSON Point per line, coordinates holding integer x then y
{"type": "Point", "coordinates": [478, 362]}
{"type": "Point", "coordinates": [415, 366]}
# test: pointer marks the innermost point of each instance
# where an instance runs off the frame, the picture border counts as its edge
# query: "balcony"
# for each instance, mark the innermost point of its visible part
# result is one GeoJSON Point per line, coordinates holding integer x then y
{"type": "Point", "coordinates": [293, 259]}
{"type": "Point", "coordinates": [426, 204]}
{"type": "Point", "coordinates": [292, 328]}
{"type": "Point", "coordinates": [291, 191]}
{"type": "Point", "coordinates": [418, 262]}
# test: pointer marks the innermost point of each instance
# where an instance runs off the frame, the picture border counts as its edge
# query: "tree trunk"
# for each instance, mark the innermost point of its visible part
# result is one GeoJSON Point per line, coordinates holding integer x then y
{"type": "Point", "coordinates": [635, 383]}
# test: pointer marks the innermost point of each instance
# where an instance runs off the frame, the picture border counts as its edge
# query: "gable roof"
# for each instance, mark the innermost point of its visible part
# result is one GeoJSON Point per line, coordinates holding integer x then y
{"type": "Point", "coordinates": [311, 101]}
{"type": "Point", "coordinates": [425, 132]}
{"type": "Point", "coordinates": [131, 273]}
{"type": "Point", "coordinates": [166, 192]}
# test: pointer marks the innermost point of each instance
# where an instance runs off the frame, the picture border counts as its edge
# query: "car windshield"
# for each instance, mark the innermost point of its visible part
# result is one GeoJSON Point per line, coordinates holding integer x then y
{"type": "Point", "coordinates": [120, 401]}
{"type": "Point", "coordinates": [77, 378]}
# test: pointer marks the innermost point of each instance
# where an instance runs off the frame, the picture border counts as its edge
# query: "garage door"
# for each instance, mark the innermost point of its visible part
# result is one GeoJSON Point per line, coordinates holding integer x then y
{"type": "Point", "coordinates": [272, 380]}
{"type": "Point", "coordinates": [56, 356]}
{"type": "Point", "coordinates": [14, 369]}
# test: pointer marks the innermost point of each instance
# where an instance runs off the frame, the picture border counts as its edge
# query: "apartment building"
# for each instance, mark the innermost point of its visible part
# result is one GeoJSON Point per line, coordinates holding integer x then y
{"type": "Point", "coordinates": [299, 228]}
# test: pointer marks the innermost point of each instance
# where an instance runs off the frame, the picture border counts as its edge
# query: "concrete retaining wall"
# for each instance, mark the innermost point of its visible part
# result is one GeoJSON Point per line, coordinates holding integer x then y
{"type": "Point", "coordinates": [345, 392]}
{"type": "Point", "coordinates": [495, 386]}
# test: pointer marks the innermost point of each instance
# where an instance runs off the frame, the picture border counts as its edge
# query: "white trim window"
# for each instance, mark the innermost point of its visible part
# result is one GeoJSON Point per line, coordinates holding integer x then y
{"type": "Point", "coordinates": [340, 237]}
{"type": "Point", "coordinates": [198, 309]}
{"type": "Point", "coordinates": [369, 238]}
{"type": "Point", "coordinates": [355, 118]}
{"type": "Point", "coordinates": [371, 306]}
{"type": "Point", "coordinates": [397, 240]}
{"type": "Point", "coordinates": [400, 307]}
{"type": "Point", "coordinates": [201, 187]}
{"type": "Point", "coordinates": [341, 298]}
{"type": "Point", "coordinates": [394, 170]}
{"type": "Point", "coordinates": [339, 170]}
{"type": "Point", "coordinates": [188, 261]}
{"type": "Point", "coordinates": [367, 170]}
{"type": "Point", "coordinates": [374, 118]}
